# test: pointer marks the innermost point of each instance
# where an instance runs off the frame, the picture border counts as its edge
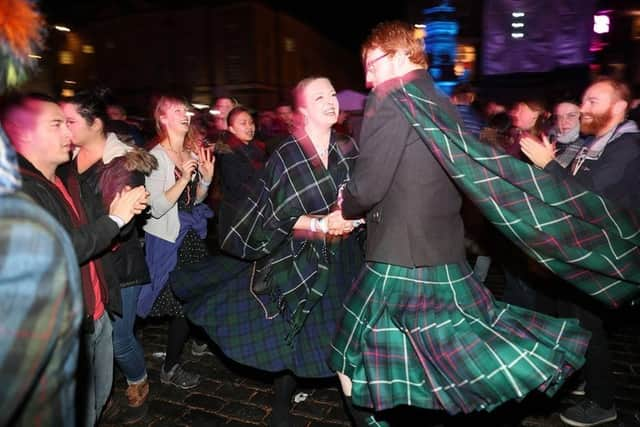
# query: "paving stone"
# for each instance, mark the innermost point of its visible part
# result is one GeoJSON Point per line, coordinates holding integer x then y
{"type": "Point", "coordinates": [196, 418]}
{"type": "Point", "coordinates": [244, 412]}
{"type": "Point", "coordinates": [262, 399]}
{"type": "Point", "coordinates": [236, 392]}
{"type": "Point", "coordinates": [204, 402]}
{"type": "Point", "coordinates": [166, 409]}
{"type": "Point", "coordinates": [329, 395]}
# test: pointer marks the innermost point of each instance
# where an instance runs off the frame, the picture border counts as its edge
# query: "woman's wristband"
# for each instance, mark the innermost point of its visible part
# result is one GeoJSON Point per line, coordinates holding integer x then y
{"type": "Point", "coordinates": [204, 183]}
{"type": "Point", "coordinates": [319, 225]}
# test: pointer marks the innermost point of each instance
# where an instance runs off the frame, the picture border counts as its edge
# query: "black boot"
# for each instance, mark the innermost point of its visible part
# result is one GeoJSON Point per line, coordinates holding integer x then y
{"type": "Point", "coordinates": [283, 387]}
{"type": "Point", "coordinates": [359, 415]}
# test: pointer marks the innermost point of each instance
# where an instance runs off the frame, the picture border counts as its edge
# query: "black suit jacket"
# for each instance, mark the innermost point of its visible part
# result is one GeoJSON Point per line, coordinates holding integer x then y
{"type": "Point", "coordinates": [411, 205]}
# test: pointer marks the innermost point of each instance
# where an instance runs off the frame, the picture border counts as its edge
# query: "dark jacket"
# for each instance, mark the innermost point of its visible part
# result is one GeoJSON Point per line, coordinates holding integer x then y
{"type": "Point", "coordinates": [89, 238]}
{"type": "Point", "coordinates": [240, 166]}
{"type": "Point", "coordinates": [125, 263]}
{"type": "Point", "coordinates": [412, 207]}
{"type": "Point", "coordinates": [614, 174]}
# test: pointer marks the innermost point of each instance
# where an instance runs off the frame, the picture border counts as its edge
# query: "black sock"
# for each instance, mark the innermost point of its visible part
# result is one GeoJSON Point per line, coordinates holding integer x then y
{"type": "Point", "coordinates": [177, 336]}
{"type": "Point", "coordinates": [283, 388]}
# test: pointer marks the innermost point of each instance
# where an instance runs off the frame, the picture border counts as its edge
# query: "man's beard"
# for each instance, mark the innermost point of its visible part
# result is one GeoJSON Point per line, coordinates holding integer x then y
{"type": "Point", "coordinates": [597, 123]}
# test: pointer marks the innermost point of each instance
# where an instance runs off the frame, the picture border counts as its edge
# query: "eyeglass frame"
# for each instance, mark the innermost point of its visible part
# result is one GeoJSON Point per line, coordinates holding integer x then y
{"type": "Point", "coordinates": [369, 66]}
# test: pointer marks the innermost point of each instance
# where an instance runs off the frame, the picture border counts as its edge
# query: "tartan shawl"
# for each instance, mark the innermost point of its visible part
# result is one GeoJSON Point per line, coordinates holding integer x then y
{"type": "Point", "coordinates": [294, 183]}
{"type": "Point", "coordinates": [578, 235]}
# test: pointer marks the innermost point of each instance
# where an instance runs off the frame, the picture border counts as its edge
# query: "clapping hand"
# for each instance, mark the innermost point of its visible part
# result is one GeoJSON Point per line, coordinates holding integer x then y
{"type": "Point", "coordinates": [540, 153]}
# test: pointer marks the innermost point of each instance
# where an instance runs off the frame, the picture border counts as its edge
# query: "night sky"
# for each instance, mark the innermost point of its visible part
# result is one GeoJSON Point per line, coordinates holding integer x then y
{"type": "Point", "coordinates": [328, 17]}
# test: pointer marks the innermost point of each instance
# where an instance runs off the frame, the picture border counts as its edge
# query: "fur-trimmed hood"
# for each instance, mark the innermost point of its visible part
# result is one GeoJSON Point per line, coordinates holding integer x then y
{"type": "Point", "coordinates": [136, 159]}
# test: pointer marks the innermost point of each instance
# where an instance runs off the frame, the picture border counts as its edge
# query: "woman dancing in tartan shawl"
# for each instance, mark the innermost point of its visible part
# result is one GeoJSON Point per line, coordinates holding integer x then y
{"type": "Point", "coordinates": [312, 254]}
{"type": "Point", "coordinates": [418, 329]}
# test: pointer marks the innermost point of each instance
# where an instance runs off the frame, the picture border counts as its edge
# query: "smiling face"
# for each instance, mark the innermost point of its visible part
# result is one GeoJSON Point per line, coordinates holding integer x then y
{"type": "Point", "coordinates": [319, 104]}
{"type": "Point", "coordinates": [174, 117]}
{"type": "Point", "coordinates": [601, 109]}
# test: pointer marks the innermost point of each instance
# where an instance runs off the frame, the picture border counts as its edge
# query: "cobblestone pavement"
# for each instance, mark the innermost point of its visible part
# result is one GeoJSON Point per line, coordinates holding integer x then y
{"type": "Point", "coordinates": [232, 395]}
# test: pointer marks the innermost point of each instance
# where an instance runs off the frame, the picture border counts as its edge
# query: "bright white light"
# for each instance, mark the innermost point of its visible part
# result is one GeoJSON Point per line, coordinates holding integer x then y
{"type": "Point", "coordinates": [419, 26]}
{"type": "Point", "coordinates": [601, 24]}
{"type": "Point", "coordinates": [190, 113]}
{"type": "Point", "coordinates": [70, 82]}
{"type": "Point", "coordinates": [517, 14]}
{"type": "Point", "coordinates": [62, 28]}
{"type": "Point", "coordinates": [199, 106]}
{"type": "Point", "coordinates": [214, 112]}
{"type": "Point", "coordinates": [33, 56]}
{"type": "Point", "coordinates": [517, 35]}
{"type": "Point", "coordinates": [517, 24]}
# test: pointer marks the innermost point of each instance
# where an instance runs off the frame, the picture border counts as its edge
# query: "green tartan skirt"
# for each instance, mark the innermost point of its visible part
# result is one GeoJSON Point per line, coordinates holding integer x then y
{"type": "Point", "coordinates": [436, 338]}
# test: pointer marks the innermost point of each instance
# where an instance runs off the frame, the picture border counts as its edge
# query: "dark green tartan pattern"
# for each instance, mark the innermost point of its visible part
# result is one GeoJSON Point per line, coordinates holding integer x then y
{"type": "Point", "coordinates": [578, 235]}
{"type": "Point", "coordinates": [217, 296]}
{"type": "Point", "coordinates": [294, 183]}
{"type": "Point", "coordinates": [435, 338]}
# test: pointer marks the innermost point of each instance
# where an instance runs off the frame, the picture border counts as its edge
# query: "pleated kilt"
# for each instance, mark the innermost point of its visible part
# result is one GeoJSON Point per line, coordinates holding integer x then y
{"type": "Point", "coordinates": [217, 297]}
{"type": "Point", "coordinates": [436, 338]}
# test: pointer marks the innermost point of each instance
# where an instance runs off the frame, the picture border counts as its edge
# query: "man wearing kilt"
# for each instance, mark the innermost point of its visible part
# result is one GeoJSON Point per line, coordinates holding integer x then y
{"type": "Point", "coordinates": [418, 328]}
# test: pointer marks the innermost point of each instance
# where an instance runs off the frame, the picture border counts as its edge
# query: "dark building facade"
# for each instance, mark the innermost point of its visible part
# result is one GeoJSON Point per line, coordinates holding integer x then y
{"type": "Point", "coordinates": [244, 50]}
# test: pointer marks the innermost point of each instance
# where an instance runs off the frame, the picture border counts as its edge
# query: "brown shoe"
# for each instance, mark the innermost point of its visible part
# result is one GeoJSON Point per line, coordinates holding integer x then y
{"type": "Point", "coordinates": [119, 412]}
{"type": "Point", "coordinates": [137, 394]}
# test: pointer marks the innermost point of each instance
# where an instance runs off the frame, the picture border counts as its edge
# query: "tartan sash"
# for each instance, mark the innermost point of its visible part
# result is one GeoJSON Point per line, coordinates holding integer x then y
{"type": "Point", "coordinates": [578, 235]}
{"type": "Point", "coordinates": [294, 184]}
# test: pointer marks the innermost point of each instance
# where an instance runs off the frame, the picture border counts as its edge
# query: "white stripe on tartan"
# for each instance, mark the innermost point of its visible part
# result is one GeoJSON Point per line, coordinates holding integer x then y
{"type": "Point", "coordinates": [446, 143]}
{"type": "Point", "coordinates": [613, 266]}
{"type": "Point", "coordinates": [482, 181]}
{"type": "Point", "coordinates": [533, 214]}
{"type": "Point", "coordinates": [622, 255]}
{"type": "Point", "coordinates": [310, 169]}
{"type": "Point", "coordinates": [504, 369]}
{"type": "Point", "coordinates": [499, 316]}
{"type": "Point", "coordinates": [406, 366]}
{"type": "Point", "coordinates": [464, 142]}
{"type": "Point", "coordinates": [564, 324]}
{"type": "Point", "coordinates": [422, 282]}
{"type": "Point", "coordinates": [544, 224]}
{"type": "Point", "coordinates": [358, 318]}
{"type": "Point", "coordinates": [414, 96]}
{"type": "Point", "coordinates": [565, 201]}
{"type": "Point", "coordinates": [612, 284]}
{"type": "Point", "coordinates": [484, 325]}
{"type": "Point", "coordinates": [524, 243]}
{"type": "Point", "coordinates": [535, 181]}
{"type": "Point", "coordinates": [585, 256]}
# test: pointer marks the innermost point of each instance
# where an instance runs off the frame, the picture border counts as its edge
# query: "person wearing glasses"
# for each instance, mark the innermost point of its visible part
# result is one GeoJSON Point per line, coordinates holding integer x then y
{"type": "Point", "coordinates": [566, 131]}
{"type": "Point", "coordinates": [418, 328]}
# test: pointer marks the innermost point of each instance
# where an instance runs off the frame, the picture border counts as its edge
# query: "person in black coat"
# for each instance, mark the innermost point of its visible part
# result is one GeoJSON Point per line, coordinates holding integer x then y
{"type": "Point", "coordinates": [37, 129]}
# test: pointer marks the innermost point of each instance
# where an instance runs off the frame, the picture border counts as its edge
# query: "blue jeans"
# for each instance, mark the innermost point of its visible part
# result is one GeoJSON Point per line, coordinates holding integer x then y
{"type": "Point", "coordinates": [127, 350]}
{"type": "Point", "coordinates": [99, 352]}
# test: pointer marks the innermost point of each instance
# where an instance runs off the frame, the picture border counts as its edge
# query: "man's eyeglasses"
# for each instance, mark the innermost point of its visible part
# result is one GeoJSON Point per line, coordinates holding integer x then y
{"type": "Point", "coordinates": [370, 64]}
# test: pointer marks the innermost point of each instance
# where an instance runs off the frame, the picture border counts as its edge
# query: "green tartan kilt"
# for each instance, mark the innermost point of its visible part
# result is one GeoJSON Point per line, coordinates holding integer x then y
{"type": "Point", "coordinates": [436, 338]}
